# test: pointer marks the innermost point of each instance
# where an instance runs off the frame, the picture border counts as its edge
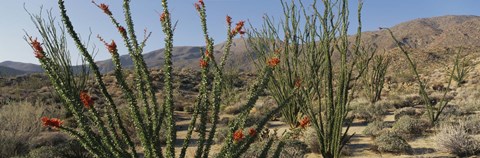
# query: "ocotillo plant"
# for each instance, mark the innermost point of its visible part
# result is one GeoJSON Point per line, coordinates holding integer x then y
{"type": "Point", "coordinates": [434, 111]}
{"type": "Point", "coordinates": [374, 78]}
{"type": "Point", "coordinates": [462, 66]}
{"type": "Point", "coordinates": [319, 60]}
{"type": "Point", "coordinates": [102, 131]}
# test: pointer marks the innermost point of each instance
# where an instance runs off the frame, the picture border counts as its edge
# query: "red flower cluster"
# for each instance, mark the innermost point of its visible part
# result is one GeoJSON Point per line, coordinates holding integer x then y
{"type": "Point", "coordinates": [229, 20]}
{"type": "Point", "coordinates": [52, 122]}
{"type": "Point", "coordinates": [37, 47]}
{"type": "Point", "coordinates": [252, 132]}
{"type": "Point", "coordinates": [304, 122]}
{"type": "Point", "coordinates": [238, 28]}
{"type": "Point", "coordinates": [203, 63]}
{"type": "Point", "coordinates": [122, 30]}
{"type": "Point", "coordinates": [238, 135]}
{"type": "Point", "coordinates": [272, 62]}
{"type": "Point", "coordinates": [199, 5]}
{"type": "Point", "coordinates": [105, 9]}
{"type": "Point", "coordinates": [162, 17]}
{"type": "Point", "coordinates": [112, 47]}
{"type": "Point", "coordinates": [86, 99]}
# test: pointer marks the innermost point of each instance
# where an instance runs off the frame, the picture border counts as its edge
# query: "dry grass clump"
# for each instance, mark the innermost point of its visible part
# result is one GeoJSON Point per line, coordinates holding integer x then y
{"type": "Point", "coordinates": [390, 142]}
{"type": "Point", "coordinates": [456, 140]}
{"type": "Point", "coordinates": [19, 126]}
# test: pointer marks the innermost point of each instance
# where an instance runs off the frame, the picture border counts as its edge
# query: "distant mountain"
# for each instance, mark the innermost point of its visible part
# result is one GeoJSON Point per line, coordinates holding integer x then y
{"type": "Point", "coordinates": [426, 37]}
{"type": "Point", "coordinates": [25, 67]}
{"type": "Point", "coordinates": [6, 71]}
{"type": "Point", "coordinates": [187, 57]}
{"type": "Point", "coordinates": [430, 33]}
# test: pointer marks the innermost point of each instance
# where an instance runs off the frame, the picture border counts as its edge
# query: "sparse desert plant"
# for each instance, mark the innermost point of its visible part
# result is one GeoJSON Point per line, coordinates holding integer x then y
{"type": "Point", "coordinates": [463, 65]}
{"type": "Point", "coordinates": [101, 130]}
{"type": "Point", "coordinates": [375, 128]}
{"type": "Point", "coordinates": [316, 58]}
{"type": "Point", "coordinates": [392, 143]}
{"type": "Point", "coordinates": [434, 110]}
{"type": "Point", "coordinates": [456, 140]}
{"type": "Point", "coordinates": [375, 77]}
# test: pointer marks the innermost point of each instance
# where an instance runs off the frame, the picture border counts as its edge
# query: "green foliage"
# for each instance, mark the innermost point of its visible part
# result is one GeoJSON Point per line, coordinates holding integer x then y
{"type": "Point", "coordinates": [319, 66]}
{"type": "Point", "coordinates": [102, 130]}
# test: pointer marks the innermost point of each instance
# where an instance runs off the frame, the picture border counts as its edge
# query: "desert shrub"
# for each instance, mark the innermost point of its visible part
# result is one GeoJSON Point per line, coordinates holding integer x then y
{"type": "Point", "coordinates": [19, 126]}
{"type": "Point", "coordinates": [233, 109]}
{"type": "Point", "coordinates": [455, 110]}
{"type": "Point", "coordinates": [375, 128]}
{"type": "Point", "coordinates": [368, 111]}
{"type": "Point", "coordinates": [433, 110]}
{"type": "Point", "coordinates": [392, 143]}
{"type": "Point", "coordinates": [287, 149]}
{"type": "Point", "coordinates": [455, 140]}
{"type": "Point", "coordinates": [472, 124]}
{"type": "Point", "coordinates": [406, 111]}
{"type": "Point", "coordinates": [463, 65]}
{"type": "Point", "coordinates": [69, 149]}
{"type": "Point", "coordinates": [48, 139]}
{"type": "Point", "coordinates": [311, 139]}
{"type": "Point", "coordinates": [409, 127]}
{"type": "Point", "coordinates": [396, 102]}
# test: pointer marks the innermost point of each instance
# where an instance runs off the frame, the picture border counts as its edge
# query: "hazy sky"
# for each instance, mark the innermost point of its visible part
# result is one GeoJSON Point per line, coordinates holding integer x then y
{"type": "Point", "coordinates": [86, 16]}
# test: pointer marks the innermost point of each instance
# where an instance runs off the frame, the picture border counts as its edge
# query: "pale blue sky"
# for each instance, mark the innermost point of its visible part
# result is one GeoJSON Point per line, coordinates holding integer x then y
{"type": "Point", "coordinates": [376, 13]}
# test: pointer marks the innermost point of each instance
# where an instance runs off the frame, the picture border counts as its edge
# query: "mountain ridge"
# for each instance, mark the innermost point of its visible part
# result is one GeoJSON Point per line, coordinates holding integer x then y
{"type": "Point", "coordinates": [423, 35]}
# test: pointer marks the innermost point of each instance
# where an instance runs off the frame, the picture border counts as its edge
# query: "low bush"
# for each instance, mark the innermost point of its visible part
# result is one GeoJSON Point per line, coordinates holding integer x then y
{"type": "Point", "coordinates": [406, 111]}
{"type": "Point", "coordinates": [288, 149]}
{"type": "Point", "coordinates": [375, 128]}
{"type": "Point", "coordinates": [369, 112]}
{"type": "Point", "coordinates": [456, 140]}
{"type": "Point", "coordinates": [70, 149]}
{"type": "Point", "coordinates": [392, 143]}
{"type": "Point", "coordinates": [409, 127]}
